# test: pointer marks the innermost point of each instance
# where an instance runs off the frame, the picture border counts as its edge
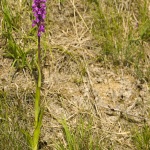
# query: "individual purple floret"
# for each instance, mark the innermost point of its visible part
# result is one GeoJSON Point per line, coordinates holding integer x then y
{"type": "Point", "coordinates": [39, 11]}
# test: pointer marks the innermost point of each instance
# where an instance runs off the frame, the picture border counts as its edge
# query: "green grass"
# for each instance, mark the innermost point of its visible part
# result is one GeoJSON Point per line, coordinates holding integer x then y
{"type": "Point", "coordinates": [122, 30]}
{"type": "Point", "coordinates": [141, 138]}
{"type": "Point", "coordinates": [10, 124]}
{"type": "Point", "coordinates": [79, 138]}
{"type": "Point", "coordinates": [16, 47]}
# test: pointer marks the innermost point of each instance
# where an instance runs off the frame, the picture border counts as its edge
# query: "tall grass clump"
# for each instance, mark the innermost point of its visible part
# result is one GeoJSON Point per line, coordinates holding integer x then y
{"type": "Point", "coordinates": [122, 29]}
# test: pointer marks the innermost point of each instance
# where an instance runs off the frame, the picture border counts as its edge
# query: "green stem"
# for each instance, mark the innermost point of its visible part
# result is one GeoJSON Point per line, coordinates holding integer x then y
{"type": "Point", "coordinates": [38, 111]}
{"type": "Point", "coordinates": [39, 52]}
{"type": "Point", "coordinates": [37, 105]}
{"type": "Point", "coordinates": [38, 87]}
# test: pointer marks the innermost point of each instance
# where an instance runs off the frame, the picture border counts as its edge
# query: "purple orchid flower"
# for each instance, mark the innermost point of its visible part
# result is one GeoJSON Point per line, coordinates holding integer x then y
{"type": "Point", "coordinates": [39, 11]}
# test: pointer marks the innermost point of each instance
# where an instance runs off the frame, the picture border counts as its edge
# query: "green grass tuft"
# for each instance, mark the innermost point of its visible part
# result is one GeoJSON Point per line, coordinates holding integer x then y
{"type": "Point", "coordinates": [79, 138]}
{"type": "Point", "coordinates": [141, 138]}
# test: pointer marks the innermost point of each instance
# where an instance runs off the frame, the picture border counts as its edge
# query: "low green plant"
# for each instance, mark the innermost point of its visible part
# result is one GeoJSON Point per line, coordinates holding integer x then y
{"type": "Point", "coordinates": [10, 32]}
{"type": "Point", "coordinates": [141, 139]}
{"type": "Point", "coordinates": [79, 138]}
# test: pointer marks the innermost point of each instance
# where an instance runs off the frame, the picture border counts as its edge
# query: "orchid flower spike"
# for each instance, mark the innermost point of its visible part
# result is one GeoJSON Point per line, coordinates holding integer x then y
{"type": "Point", "coordinates": [39, 11]}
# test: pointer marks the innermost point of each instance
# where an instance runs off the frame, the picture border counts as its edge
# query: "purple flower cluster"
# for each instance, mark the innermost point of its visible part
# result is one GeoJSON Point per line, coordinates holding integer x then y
{"type": "Point", "coordinates": [39, 11]}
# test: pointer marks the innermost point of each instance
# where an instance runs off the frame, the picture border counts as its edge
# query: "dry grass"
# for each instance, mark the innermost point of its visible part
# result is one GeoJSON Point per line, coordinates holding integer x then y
{"type": "Point", "coordinates": [75, 86]}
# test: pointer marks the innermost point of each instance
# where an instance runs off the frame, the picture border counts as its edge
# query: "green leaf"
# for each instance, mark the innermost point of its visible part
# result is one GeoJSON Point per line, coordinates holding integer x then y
{"type": "Point", "coordinates": [28, 137]}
